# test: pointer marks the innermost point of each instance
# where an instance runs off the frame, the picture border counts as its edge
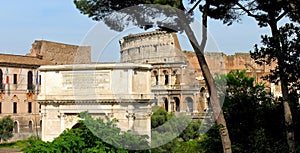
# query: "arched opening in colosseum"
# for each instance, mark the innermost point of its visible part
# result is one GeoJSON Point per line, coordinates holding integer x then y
{"type": "Point", "coordinates": [190, 104]}
{"type": "Point", "coordinates": [166, 76]}
{"type": "Point", "coordinates": [16, 127]}
{"type": "Point", "coordinates": [29, 80]}
{"type": "Point", "coordinates": [176, 77]}
{"type": "Point", "coordinates": [155, 75]}
{"type": "Point", "coordinates": [204, 98]}
{"type": "Point", "coordinates": [177, 103]}
{"type": "Point", "coordinates": [166, 104]}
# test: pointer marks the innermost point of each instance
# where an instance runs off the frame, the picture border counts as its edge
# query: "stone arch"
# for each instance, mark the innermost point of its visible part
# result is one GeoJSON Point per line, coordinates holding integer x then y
{"type": "Point", "coordinates": [166, 103]}
{"type": "Point", "coordinates": [29, 80]}
{"type": "Point", "coordinates": [155, 76]}
{"type": "Point", "coordinates": [204, 98]}
{"type": "Point", "coordinates": [16, 127]}
{"type": "Point", "coordinates": [76, 126]}
{"type": "Point", "coordinates": [30, 126]}
{"type": "Point", "coordinates": [177, 104]}
{"type": "Point", "coordinates": [166, 77]}
{"type": "Point", "coordinates": [202, 90]}
{"type": "Point", "coordinates": [190, 104]}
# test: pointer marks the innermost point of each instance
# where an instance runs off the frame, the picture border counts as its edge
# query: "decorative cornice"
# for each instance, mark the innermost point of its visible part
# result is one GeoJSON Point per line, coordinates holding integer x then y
{"type": "Point", "coordinates": [94, 101]}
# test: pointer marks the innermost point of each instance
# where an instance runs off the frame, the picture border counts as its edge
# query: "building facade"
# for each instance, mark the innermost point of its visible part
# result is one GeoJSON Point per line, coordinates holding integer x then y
{"type": "Point", "coordinates": [20, 83]}
{"type": "Point", "coordinates": [173, 78]}
{"type": "Point", "coordinates": [120, 91]}
{"type": "Point", "coordinates": [19, 88]}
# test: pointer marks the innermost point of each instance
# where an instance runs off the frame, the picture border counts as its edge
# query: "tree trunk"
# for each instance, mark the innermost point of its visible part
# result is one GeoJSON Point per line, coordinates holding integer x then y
{"type": "Point", "coordinates": [284, 89]}
{"type": "Point", "coordinates": [214, 100]}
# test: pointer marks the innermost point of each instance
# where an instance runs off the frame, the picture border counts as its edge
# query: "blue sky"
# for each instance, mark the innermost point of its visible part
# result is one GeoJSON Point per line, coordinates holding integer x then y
{"type": "Point", "coordinates": [22, 22]}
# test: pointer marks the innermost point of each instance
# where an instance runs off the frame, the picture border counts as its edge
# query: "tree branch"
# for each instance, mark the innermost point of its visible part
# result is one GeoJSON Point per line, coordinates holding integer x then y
{"type": "Point", "coordinates": [248, 12]}
{"type": "Point", "coordinates": [282, 15]}
{"type": "Point", "coordinates": [192, 9]}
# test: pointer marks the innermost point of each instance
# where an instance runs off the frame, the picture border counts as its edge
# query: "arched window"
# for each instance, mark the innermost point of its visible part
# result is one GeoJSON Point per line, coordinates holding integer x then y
{"type": "Point", "coordinates": [156, 77]}
{"type": "Point", "coordinates": [1, 76]}
{"type": "Point", "coordinates": [177, 104]}
{"type": "Point", "coordinates": [190, 104]}
{"type": "Point", "coordinates": [166, 75]}
{"type": "Point", "coordinates": [29, 107]}
{"type": "Point", "coordinates": [1, 81]}
{"type": "Point", "coordinates": [29, 80]}
{"type": "Point", "coordinates": [15, 107]}
{"type": "Point", "coordinates": [16, 127]}
{"type": "Point", "coordinates": [30, 126]}
{"type": "Point", "coordinates": [166, 103]}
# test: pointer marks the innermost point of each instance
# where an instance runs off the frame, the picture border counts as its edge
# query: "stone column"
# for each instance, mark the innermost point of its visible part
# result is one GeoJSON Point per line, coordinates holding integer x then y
{"type": "Point", "coordinates": [43, 115]}
{"type": "Point", "coordinates": [131, 116]}
{"type": "Point", "coordinates": [62, 121]}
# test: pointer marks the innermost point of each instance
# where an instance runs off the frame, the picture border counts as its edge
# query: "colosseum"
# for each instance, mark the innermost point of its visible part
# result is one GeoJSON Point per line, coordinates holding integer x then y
{"type": "Point", "coordinates": [177, 81]}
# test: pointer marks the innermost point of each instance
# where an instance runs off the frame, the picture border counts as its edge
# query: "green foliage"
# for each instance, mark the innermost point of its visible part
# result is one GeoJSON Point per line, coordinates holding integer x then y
{"type": "Point", "coordinates": [211, 141]}
{"type": "Point", "coordinates": [289, 53]}
{"type": "Point", "coordinates": [90, 136]}
{"type": "Point", "coordinates": [192, 131]}
{"type": "Point", "coordinates": [141, 13]}
{"type": "Point", "coordinates": [254, 118]}
{"type": "Point", "coordinates": [6, 128]}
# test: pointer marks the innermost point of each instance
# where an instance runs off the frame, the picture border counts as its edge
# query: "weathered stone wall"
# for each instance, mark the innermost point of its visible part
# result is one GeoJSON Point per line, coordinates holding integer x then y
{"type": "Point", "coordinates": [120, 91]}
{"type": "Point", "coordinates": [59, 53]}
{"type": "Point", "coordinates": [151, 47]}
{"type": "Point", "coordinates": [173, 79]}
{"type": "Point", "coordinates": [220, 63]}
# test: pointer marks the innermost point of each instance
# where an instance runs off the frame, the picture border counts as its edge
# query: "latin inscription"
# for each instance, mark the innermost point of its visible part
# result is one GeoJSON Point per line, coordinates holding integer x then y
{"type": "Point", "coordinates": [86, 80]}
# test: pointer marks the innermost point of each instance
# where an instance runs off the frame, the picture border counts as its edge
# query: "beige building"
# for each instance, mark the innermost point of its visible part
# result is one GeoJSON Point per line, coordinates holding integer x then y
{"type": "Point", "coordinates": [173, 78]}
{"type": "Point", "coordinates": [19, 88]}
{"type": "Point", "coordinates": [115, 90]}
{"type": "Point", "coordinates": [20, 82]}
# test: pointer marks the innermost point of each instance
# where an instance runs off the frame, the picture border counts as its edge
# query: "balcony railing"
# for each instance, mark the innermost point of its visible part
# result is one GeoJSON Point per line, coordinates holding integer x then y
{"type": "Point", "coordinates": [30, 88]}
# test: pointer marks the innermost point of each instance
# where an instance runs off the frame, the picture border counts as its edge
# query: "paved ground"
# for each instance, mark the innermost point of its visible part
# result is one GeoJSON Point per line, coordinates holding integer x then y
{"type": "Point", "coordinates": [10, 150]}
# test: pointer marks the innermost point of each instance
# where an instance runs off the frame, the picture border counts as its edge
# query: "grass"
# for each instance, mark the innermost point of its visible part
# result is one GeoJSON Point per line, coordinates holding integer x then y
{"type": "Point", "coordinates": [21, 144]}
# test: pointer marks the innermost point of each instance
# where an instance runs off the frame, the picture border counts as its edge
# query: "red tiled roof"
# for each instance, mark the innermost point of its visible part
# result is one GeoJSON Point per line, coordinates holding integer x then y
{"type": "Point", "coordinates": [10, 59]}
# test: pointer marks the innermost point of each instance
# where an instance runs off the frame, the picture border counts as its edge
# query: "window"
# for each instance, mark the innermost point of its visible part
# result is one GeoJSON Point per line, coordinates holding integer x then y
{"type": "Point", "coordinates": [30, 126]}
{"type": "Point", "coordinates": [15, 79]}
{"type": "Point", "coordinates": [0, 107]}
{"type": "Point", "coordinates": [16, 127]}
{"type": "Point", "coordinates": [1, 77]}
{"type": "Point", "coordinates": [14, 107]}
{"type": "Point", "coordinates": [41, 124]}
{"type": "Point", "coordinates": [29, 107]}
{"type": "Point", "coordinates": [156, 77]}
{"type": "Point", "coordinates": [40, 80]}
{"type": "Point", "coordinates": [29, 81]}
{"type": "Point", "coordinates": [166, 77]}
